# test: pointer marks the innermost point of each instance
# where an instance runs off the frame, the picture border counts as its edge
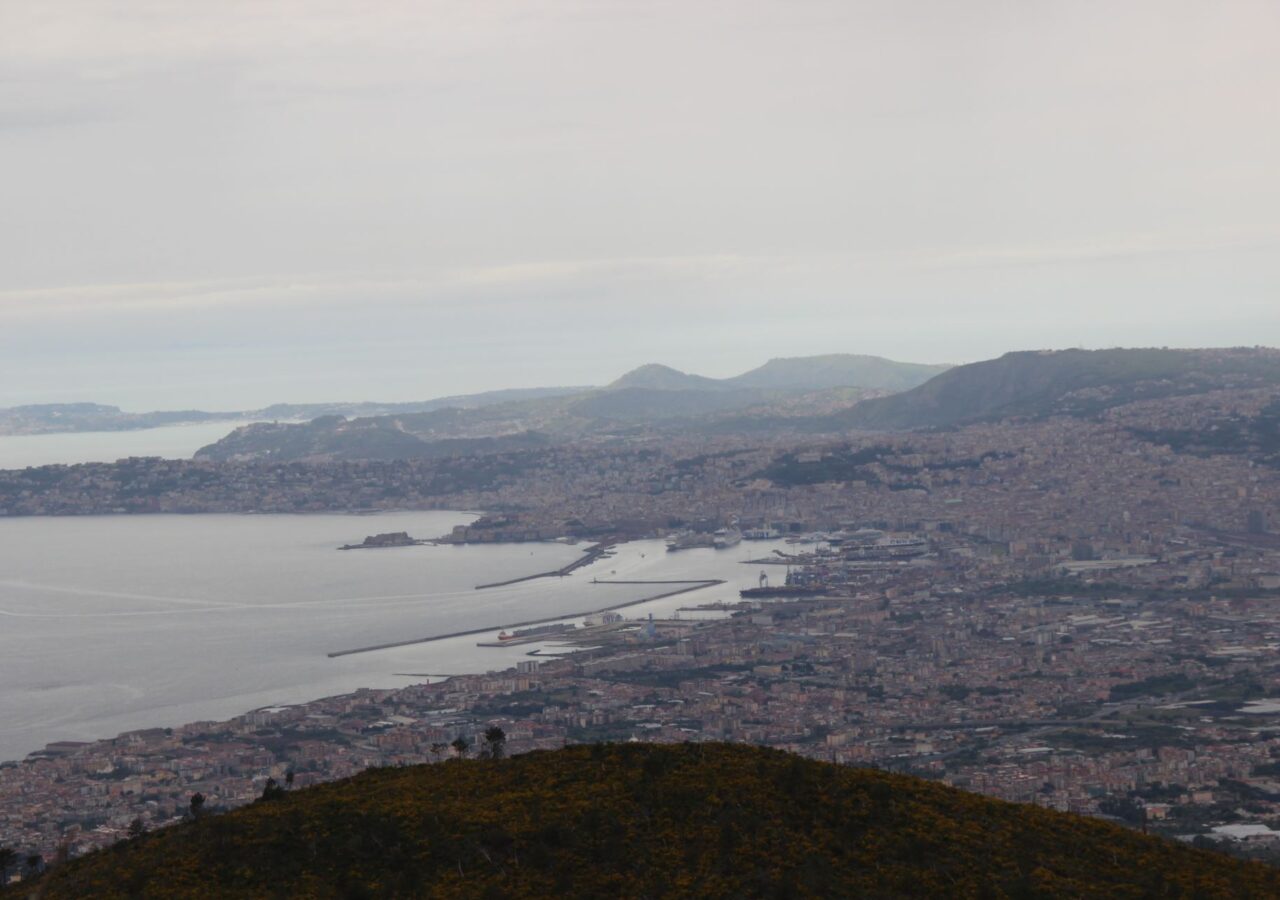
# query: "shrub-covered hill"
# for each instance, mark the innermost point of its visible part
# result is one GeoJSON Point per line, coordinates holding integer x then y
{"type": "Point", "coordinates": [688, 820]}
{"type": "Point", "coordinates": [1064, 382]}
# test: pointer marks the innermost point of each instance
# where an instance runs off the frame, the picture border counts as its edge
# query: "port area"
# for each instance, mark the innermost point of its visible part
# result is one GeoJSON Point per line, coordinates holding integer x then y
{"type": "Point", "coordinates": [685, 587]}
{"type": "Point", "coordinates": [591, 634]}
{"type": "Point", "coordinates": [594, 632]}
{"type": "Point", "coordinates": [599, 551]}
{"type": "Point", "coordinates": [716, 607]}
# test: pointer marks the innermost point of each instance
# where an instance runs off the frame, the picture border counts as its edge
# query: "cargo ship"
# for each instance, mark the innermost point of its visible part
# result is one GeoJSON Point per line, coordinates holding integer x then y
{"type": "Point", "coordinates": [781, 590]}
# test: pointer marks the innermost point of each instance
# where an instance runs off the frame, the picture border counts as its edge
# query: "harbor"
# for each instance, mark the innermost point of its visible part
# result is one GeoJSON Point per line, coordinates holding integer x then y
{"type": "Point", "coordinates": [598, 551]}
{"type": "Point", "coordinates": [685, 587]}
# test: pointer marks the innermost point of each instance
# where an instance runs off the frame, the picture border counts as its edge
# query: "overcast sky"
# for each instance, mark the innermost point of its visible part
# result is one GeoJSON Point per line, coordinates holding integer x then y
{"type": "Point", "coordinates": [226, 204]}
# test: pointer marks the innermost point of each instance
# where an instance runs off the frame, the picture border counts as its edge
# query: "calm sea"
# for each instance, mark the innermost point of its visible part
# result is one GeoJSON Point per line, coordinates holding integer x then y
{"type": "Point", "coordinates": [114, 623]}
{"type": "Point", "coordinates": [172, 442]}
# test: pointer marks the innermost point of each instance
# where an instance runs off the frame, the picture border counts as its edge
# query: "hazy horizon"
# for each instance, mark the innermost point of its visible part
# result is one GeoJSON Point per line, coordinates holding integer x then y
{"type": "Point", "coordinates": [227, 206]}
{"type": "Point", "coordinates": [355, 397]}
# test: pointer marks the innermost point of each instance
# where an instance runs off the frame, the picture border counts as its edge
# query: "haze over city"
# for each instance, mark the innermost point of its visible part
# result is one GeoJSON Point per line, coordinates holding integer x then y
{"type": "Point", "coordinates": [287, 201]}
{"type": "Point", "coordinates": [638, 448]}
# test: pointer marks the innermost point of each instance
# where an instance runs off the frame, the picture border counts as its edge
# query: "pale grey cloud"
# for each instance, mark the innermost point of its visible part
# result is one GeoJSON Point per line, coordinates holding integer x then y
{"type": "Point", "coordinates": [448, 195]}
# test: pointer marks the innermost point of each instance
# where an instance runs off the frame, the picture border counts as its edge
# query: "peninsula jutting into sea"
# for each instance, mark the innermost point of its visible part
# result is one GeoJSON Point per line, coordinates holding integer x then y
{"type": "Point", "coordinates": [1048, 578]}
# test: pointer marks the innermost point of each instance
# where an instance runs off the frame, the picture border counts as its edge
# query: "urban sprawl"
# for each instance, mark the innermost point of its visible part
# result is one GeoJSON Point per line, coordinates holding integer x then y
{"type": "Point", "coordinates": [1065, 611]}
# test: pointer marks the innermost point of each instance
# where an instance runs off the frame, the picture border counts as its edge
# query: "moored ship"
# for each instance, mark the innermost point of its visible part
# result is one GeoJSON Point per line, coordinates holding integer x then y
{"type": "Point", "coordinates": [536, 631]}
{"type": "Point", "coordinates": [688, 540]}
{"type": "Point", "coordinates": [726, 538]}
{"type": "Point", "coordinates": [780, 590]}
{"type": "Point", "coordinates": [797, 585]}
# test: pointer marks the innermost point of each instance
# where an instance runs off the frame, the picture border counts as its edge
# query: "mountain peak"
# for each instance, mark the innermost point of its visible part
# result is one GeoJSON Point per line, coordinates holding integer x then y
{"type": "Point", "coordinates": [655, 376]}
{"type": "Point", "coordinates": [837, 370]}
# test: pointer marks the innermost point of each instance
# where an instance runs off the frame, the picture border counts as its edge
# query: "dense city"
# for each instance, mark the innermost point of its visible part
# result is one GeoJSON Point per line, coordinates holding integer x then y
{"type": "Point", "coordinates": [1064, 612]}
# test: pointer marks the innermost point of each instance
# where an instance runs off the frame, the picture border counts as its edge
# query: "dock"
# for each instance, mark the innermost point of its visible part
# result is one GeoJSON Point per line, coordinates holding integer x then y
{"type": "Point", "coordinates": [688, 586]}
{"type": "Point", "coordinates": [592, 554]}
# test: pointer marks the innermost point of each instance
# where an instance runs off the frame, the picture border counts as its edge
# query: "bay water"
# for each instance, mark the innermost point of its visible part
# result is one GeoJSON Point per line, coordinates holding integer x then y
{"type": "Point", "coordinates": [109, 623]}
{"type": "Point", "coordinates": [18, 451]}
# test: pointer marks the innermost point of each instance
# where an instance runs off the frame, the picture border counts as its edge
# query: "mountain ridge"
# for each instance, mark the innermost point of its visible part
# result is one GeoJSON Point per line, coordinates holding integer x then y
{"type": "Point", "coordinates": [70, 418]}
{"type": "Point", "coordinates": [833, 370]}
{"type": "Point", "coordinates": [1039, 383]}
{"type": "Point", "coordinates": [750, 387]}
{"type": "Point", "coordinates": [649, 395]}
{"type": "Point", "coordinates": [656, 376]}
{"type": "Point", "coordinates": [1021, 384]}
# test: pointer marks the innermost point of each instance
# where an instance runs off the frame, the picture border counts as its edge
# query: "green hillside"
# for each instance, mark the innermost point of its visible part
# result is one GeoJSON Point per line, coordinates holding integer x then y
{"type": "Point", "coordinates": [651, 395]}
{"type": "Point", "coordinates": [664, 378]}
{"type": "Point", "coordinates": [1070, 382]}
{"type": "Point", "coordinates": [660, 404]}
{"type": "Point", "coordinates": [379, 437]}
{"type": "Point", "coordinates": [834, 370]}
{"type": "Point", "coordinates": [689, 820]}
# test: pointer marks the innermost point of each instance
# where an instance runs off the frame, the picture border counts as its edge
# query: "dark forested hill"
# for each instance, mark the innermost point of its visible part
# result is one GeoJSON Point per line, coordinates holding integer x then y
{"type": "Point", "coordinates": [333, 437]}
{"type": "Point", "coordinates": [691, 820]}
{"type": "Point", "coordinates": [1073, 382]}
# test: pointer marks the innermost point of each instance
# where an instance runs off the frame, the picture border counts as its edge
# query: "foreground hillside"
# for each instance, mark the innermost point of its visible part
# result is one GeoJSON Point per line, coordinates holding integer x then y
{"type": "Point", "coordinates": [707, 820]}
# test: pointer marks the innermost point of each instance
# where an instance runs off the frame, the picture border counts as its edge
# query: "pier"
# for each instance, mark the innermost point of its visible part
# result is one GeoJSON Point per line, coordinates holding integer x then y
{"type": "Point", "coordinates": [594, 553]}
{"type": "Point", "coordinates": [688, 586]}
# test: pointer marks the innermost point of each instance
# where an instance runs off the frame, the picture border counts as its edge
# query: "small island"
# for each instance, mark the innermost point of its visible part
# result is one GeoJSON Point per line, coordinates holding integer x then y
{"type": "Point", "coordinates": [390, 539]}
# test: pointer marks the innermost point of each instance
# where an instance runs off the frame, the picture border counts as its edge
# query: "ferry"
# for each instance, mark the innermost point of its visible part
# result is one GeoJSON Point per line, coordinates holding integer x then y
{"type": "Point", "coordinates": [725, 538]}
{"type": "Point", "coordinates": [687, 540]}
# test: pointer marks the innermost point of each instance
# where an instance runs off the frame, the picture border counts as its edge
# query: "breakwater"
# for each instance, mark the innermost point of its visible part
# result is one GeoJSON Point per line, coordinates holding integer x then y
{"type": "Point", "coordinates": [686, 587]}
{"type": "Point", "coordinates": [586, 559]}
